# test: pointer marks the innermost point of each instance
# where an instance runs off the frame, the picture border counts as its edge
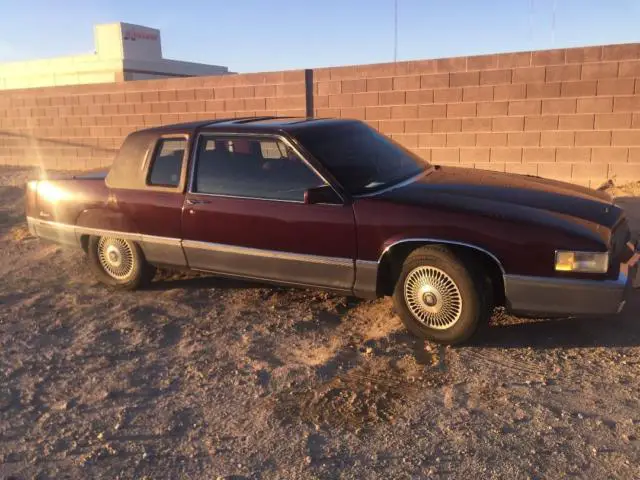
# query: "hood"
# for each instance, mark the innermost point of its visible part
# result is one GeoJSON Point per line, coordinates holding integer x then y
{"type": "Point", "coordinates": [470, 188]}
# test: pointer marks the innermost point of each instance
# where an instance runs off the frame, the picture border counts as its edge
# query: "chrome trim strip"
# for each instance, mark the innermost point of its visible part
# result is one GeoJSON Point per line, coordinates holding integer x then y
{"type": "Point", "coordinates": [281, 138]}
{"type": "Point", "coordinates": [195, 144]}
{"type": "Point", "coordinates": [101, 232]}
{"type": "Point", "coordinates": [447, 242]}
{"type": "Point", "coordinates": [175, 242]}
{"type": "Point", "coordinates": [218, 247]}
{"type": "Point", "coordinates": [219, 195]}
{"type": "Point", "coordinates": [274, 254]}
{"type": "Point", "coordinates": [108, 233]}
{"type": "Point", "coordinates": [367, 263]}
{"type": "Point", "coordinates": [392, 187]}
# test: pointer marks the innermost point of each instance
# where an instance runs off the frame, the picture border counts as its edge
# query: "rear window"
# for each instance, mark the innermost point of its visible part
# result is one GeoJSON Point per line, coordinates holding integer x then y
{"type": "Point", "coordinates": [166, 166]}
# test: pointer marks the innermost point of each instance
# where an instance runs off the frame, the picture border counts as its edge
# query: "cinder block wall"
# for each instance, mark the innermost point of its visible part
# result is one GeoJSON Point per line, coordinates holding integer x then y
{"type": "Point", "coordinates": [82, 126]}
{"type": "Point", "coordinates": [569, 114]}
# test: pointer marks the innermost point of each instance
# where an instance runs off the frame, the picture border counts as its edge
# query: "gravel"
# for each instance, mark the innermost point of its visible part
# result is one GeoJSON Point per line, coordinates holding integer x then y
{"type": "Point", "coordinates": [199, 377]}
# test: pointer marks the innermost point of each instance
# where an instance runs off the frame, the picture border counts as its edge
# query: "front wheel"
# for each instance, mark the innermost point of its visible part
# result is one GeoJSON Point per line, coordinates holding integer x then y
{"type": "Point", "coordinates": [119, 263]}
{"type": "Point", "coordinates": [437, 296]}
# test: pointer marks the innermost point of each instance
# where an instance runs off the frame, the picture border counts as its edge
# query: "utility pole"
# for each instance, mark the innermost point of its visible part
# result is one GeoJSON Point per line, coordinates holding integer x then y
{"type": "Point", "coordinates": [553, 23]}
{"type": "Point", "coordinates": [531, 24]}
{"type": "Point", "coordinates": [395, 33]}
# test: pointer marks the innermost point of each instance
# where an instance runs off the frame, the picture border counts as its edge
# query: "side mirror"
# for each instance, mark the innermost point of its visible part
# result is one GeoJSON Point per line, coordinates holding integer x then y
{"type": "Point", "coordinates": [322, 194]}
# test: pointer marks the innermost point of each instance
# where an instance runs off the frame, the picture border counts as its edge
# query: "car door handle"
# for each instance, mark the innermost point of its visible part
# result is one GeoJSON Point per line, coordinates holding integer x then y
{"type": "Point", "coordinates": [193, 201]}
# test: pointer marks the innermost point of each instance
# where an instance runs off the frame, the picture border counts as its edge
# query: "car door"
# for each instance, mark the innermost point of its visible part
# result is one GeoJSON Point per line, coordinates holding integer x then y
{"type": "Point", "coordinates": [245, 214]}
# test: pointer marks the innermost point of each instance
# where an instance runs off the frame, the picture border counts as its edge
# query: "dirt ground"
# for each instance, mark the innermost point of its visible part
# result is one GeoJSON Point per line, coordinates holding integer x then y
{"type": "Point", "coordinates": [203, 378]}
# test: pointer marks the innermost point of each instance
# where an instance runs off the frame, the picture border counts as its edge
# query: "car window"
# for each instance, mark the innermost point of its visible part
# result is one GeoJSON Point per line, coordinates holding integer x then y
{"type": "Point", "coordinates": [166, 165]}
{"type": "Point", "coordinates": [252, 167]}
{"type": "Point", "coordinates": [359, 157]}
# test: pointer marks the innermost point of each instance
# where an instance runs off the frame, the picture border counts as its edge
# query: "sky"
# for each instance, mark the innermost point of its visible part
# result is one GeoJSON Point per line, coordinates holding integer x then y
{"type": "Point", "coordinates": [264, 35]}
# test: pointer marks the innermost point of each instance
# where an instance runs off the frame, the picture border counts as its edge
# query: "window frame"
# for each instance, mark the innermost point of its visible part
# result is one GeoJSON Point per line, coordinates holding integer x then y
{"type": "Point", "coordinates": [152, 153]}
{"type": "Point", "coordinates": [249, 136]}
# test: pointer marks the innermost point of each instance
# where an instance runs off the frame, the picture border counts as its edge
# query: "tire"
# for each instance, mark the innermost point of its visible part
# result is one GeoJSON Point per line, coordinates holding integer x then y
{"type": "Point", "coordinates": [438, 297]}
{"type": "Point", "coordinates": [119, 263]}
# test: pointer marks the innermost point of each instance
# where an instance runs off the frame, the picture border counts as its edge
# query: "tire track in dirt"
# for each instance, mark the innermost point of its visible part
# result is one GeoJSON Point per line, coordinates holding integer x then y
{"type": "Point", "coordinates": [522, 366]}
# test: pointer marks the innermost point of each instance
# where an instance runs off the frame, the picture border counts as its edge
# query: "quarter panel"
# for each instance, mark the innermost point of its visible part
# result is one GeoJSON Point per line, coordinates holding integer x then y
{"type": "Point", "coordinates": [151, 212]}
{"type": "Point", "coordinates": [106, 219]}
{"type": "Point", "coordinates": [64, 200]}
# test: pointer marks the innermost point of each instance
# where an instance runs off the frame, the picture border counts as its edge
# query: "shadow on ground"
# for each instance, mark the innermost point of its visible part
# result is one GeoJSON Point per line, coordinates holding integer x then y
{"type": "Point", "coordinates": [614, 331]}
{"type": "Point", "coordinates": [167, 280]}
{"type": "Point", "coordinates": [503, 332]}
{"type": "Point", "coordinates": [11, 211]}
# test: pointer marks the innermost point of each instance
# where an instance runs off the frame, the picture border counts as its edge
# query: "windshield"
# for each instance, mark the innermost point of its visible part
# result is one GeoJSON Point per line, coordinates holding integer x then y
{"type": "Point", "coordinates": [359, 157]}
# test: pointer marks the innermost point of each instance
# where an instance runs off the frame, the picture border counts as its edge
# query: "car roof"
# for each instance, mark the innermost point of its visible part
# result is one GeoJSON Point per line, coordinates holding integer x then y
{"type": "Point", "coordinates": [267, 124]}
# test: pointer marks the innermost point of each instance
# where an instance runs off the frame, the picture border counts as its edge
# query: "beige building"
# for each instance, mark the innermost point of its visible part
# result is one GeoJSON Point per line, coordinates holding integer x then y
{"type": "Point", "coordinates": [122, 52]}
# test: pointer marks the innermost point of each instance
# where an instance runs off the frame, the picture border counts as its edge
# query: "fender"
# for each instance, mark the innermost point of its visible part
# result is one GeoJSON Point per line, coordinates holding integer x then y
{"type": "Point", "coordinates": [368, 278]}
{"type": "Point", "coordinates": [389, 246]}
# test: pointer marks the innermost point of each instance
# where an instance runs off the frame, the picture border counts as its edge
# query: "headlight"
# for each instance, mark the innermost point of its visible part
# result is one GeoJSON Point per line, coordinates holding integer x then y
{"type": "Point", "coordinates": [588, 262]}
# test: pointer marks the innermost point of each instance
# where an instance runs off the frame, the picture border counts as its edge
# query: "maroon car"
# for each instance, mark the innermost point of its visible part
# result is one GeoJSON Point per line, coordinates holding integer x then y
{"type": "Point", "coordinates": [336, 205]}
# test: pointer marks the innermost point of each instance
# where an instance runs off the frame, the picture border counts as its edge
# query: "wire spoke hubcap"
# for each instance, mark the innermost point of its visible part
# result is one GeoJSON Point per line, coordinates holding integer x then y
{"type": "Point", "coordinates": [432, 297]}
{"type": "Point", "coordinates": [116, 257]}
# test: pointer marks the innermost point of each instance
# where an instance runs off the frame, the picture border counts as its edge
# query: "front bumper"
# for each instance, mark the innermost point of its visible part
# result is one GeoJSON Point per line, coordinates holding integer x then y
{"type": "Point", "coordinates": [541, 296]}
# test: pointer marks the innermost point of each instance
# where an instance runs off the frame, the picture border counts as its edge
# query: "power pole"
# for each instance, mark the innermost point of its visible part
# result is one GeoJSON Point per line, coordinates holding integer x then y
{"type": "Point", "coordinates": [531, 24]}
{"type": "Point", "coordinates": [553, 23]}
{"type": "Point", "coordinates": [395, 33]}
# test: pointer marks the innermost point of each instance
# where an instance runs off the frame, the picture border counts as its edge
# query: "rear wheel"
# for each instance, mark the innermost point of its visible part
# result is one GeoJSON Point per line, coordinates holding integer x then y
{"type": "Point", "coordinates": [438, 297]}
{"type": "Point", "coordinates": [119, 263]}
